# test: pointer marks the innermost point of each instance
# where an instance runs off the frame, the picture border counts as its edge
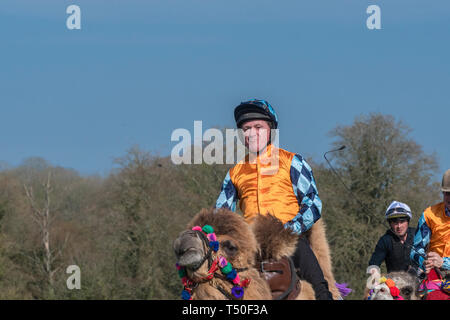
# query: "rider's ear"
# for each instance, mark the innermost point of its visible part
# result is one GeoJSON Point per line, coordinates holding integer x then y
{"type": "Point", "coordinates": [229, 247]}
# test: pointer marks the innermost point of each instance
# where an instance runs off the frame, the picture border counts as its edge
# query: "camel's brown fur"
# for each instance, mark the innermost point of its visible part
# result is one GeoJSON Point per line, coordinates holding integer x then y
{"type": "Point", "coordinates": [274, 240]}
{"type": "Point", "coordinates": [266, 238]}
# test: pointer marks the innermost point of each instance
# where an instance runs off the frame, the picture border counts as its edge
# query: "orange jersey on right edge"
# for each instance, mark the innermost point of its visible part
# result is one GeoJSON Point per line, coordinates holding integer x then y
{"type": "Point", "coordinates": [439, 224]}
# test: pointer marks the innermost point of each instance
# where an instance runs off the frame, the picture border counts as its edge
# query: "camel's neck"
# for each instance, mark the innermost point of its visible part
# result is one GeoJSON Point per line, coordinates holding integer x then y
{"type": "Point", "coordinates": [215, 289]}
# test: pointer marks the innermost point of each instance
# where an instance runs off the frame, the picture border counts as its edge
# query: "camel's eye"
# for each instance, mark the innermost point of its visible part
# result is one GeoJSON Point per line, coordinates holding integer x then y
{"type": "Point", "coordinates": [406, 291]}
{"type": "Point", "coordinates": [229, 247]}
{"type": "Point", "coordinates": [382, 290]}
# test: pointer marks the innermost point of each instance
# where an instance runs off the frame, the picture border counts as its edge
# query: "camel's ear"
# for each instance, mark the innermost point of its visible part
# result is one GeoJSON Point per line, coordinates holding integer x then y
{"type": "Point", "coordinates": [374, 279]}
{"type": "Point", "coordinates": [229, 247]}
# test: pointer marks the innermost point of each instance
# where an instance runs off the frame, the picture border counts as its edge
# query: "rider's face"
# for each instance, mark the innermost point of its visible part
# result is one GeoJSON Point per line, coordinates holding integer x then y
{"type": "Point", "coordinates": [256, 134]}
{"type": "Point", "coordinates": [447, 199]}
{"type": "Point", "coordinates": [399, 226]}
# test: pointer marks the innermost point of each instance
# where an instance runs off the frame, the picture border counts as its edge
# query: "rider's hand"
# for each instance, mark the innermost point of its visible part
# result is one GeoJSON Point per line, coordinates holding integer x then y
{"type": "Point", "coordinates": [433, 260]}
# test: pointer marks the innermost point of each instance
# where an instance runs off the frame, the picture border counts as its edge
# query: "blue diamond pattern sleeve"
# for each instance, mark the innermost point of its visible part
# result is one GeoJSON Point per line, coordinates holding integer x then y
{"type": "Point", "coordinates": [305, 189]}
{"type": "Point", "coordinates": [421, 241]}
{"type": "Point", "coordinates": [446, 264]}
{"type": "Point", "coordinates": [228, 195]}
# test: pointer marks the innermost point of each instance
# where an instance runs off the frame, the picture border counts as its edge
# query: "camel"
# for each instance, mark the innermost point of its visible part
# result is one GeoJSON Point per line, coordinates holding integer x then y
{"type": "Point", "coordinates": [381, 288]}
{"type": "Point", "coordinates": [244, 246]}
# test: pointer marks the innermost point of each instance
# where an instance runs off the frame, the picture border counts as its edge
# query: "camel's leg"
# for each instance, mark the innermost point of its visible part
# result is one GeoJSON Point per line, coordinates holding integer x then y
{"type": "Point", "coordinates": [306, 292]}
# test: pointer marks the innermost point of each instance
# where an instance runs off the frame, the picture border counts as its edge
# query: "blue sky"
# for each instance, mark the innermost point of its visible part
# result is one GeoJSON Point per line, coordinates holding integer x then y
{"type": "Point", "coordinates": [137, 70]}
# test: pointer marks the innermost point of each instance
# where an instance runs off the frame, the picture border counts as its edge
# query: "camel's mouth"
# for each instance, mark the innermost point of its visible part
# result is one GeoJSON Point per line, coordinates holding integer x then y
{"type": "Point", "coordinates": [191, 258]}
{"type": "Point", "coordinates": [189, 250]}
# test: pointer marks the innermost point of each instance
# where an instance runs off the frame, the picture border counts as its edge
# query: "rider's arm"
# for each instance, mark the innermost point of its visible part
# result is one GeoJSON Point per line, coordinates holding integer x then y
{"type": "Point", "coordinates": [228, 194]}
{"type": "Point", "coordinates": [446, 264]}
{"type": "Point", "coordinates": [305, 189]}
{"type": "Point", "coordinates": [421, 241]}
{"type": "Point", "coordinates": [379, 255]}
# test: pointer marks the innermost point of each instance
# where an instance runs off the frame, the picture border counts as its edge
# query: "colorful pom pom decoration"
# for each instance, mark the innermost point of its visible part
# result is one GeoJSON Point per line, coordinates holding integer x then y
{"type": "Point", "coordinates": [390, 283]}
{"type": "Point", "coordinates": [211, 237]}
{"type": "Point", "coordinates": [237, 292]}
{"type": "Point", "coordinates": [232, 274]}
{"type": "Point", "coordinates": [214, 245]}
{"type": "Point", "coordinates": [185, 295]}
{"type": "Point", "coordinates": [207, 229]}
{"type": "Point", "coordinates": [394, 291]}
{"type": "Point", "coordinates": [227, 269]}
{"type": "Point", "coordinates": [222, 262]}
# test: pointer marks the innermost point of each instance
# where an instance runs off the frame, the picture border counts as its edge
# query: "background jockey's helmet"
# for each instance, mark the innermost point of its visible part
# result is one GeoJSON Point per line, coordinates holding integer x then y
{"type": "Point", "coordinates": [446, 181]}
{"type": "Point", "coordinates": [398, 210]}
{"type": "Point", "coordinates": [255, 110]}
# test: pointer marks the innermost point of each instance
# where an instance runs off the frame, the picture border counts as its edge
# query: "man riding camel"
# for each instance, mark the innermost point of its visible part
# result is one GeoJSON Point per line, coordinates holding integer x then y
{"type": "Point", "coordinates": [432, 238]}
{"type": "Point", "coordinates": [273, 180]}
{"type": "Point", "coordinates": [395, 245]}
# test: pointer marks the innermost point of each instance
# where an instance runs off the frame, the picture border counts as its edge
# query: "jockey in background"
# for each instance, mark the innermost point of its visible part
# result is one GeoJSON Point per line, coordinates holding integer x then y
{"type": "Point", "coordinates": [394, 246]}
{"type": "Point", "coordinates": [433, 232]}
{"type": "Point", "coordinates": [431, 248]}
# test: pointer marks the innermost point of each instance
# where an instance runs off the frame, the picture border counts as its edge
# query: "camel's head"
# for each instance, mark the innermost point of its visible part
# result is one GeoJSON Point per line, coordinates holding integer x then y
{"type": "Point", "coordinates": [381, 287]}
{"type": "Point", "coordinates": [190, 249]}
{"type": "Point", "coordinates": [236, 242]}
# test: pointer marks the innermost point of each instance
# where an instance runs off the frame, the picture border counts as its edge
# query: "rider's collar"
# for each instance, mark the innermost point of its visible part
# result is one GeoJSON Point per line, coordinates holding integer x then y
{"type": "Point", "coordinates": [261, 155]}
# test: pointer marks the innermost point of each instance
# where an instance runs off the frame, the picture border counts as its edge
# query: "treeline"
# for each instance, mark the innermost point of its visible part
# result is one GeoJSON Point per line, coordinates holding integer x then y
{"type": "Point", "coordinates": [119, 229]}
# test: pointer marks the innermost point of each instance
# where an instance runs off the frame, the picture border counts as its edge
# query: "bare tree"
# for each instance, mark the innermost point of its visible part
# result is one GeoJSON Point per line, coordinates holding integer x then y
{"type": "Point", "coordinates": [41, 214]}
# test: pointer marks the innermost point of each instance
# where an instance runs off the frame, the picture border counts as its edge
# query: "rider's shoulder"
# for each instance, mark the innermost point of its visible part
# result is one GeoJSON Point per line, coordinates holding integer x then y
{"type": "Point", "coordinates": [387, 236]}
{"type": "Point", "coordinates": [298, 160]}
{"type": "Point", "coordinates": [436, 208]}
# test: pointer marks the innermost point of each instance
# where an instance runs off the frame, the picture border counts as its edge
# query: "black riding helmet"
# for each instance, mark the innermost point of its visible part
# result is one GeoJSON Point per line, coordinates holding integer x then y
{"type": "Point", "coordinates": [255, 110]}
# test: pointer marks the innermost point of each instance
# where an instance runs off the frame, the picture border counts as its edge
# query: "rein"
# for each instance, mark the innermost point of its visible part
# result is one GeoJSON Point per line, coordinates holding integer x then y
{"type": "Point", "coordinates": [214, 264]}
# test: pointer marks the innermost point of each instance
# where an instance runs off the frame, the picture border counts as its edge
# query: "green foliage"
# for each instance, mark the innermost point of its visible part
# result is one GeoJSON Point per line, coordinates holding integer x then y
{"type": "Point", "coordinates": [119, 229]}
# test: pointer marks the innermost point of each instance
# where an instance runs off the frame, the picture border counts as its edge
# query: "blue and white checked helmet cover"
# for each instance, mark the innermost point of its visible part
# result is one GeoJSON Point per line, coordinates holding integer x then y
{"type": "Point", "coordinates": [254, 109]}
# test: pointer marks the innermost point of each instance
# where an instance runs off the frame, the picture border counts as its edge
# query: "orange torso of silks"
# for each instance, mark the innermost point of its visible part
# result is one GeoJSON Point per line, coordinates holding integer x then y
{"type": "Point", "coordinates": [264, 185]}
{"type": "Point", "coordinates": [439, 224]}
